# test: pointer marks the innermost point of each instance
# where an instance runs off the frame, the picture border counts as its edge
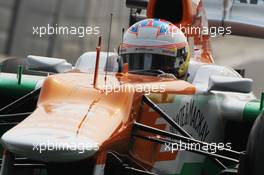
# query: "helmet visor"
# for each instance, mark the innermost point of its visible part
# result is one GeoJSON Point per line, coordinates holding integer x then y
{"type": "Point", "coordinates": [148, 61]}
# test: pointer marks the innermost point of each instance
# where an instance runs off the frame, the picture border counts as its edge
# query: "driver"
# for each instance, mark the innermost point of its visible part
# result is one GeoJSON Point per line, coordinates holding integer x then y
{"type": "Point", "coordinates": [155, 45]}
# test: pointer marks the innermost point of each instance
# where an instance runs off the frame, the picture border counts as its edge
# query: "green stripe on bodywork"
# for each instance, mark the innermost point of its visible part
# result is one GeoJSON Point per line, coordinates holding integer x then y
{"type": "Point", "coordinates": [262, 101]}
{"type": "Point", "coordinates": [10, 87]}
{"type": "Point", "coordinates": [251, 110]}
{"type": "Point", "coordinates": [206, 168]}
{"type": "Point", "coordinates": [191, 168]}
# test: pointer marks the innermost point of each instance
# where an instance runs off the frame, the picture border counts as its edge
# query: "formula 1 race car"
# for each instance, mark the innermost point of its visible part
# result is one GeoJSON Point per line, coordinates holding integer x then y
{"type": "Point", "coordinates": [108, 115]}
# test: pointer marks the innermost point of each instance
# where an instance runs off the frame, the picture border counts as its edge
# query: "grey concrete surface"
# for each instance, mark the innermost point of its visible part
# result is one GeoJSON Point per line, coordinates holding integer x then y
{"type": "Point", "coordinates": [69, 13]}
{"type": "Point", "coordinates": [5, 20]}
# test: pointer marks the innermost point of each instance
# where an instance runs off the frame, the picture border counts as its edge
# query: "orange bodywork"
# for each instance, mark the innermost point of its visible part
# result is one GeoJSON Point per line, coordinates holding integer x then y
{"type": "Point", "coordinates": [69, 102]}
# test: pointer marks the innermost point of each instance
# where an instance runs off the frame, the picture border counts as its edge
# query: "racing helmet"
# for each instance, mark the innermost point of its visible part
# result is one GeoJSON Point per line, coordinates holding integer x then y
{"type": "Point", "coordinates": [155, 44]}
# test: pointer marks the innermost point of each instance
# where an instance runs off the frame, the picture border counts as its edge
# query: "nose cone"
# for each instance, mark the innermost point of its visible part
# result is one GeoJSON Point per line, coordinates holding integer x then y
{"type": "Point", "coordinates": [71, 120]}
{"type": "Point", "coordinates": [48, 145]}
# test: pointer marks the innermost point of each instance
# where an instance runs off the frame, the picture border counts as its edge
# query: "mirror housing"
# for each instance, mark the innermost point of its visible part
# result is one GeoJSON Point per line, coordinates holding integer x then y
{"type": "Point", "coordinates": [231, 84]}
{"type": "Point", "coordinates": [47, 64]}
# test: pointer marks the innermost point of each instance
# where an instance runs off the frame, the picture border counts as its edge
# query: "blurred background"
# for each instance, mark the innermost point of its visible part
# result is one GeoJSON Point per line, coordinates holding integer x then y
{"type": "Point", "coordinates": [17, 17]}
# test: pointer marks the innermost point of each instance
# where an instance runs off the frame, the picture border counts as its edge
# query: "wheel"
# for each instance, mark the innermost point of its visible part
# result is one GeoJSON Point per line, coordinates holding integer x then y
{"type": "Point", "coordinates": [253, 161]}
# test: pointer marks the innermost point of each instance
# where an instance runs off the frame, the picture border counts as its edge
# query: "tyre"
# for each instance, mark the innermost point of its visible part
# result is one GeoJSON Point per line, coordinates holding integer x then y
{"type": "Point", "coordinates": [252, 163]}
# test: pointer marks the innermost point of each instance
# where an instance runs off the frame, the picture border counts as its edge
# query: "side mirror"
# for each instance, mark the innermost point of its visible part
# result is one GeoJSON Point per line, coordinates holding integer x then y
{"type": "Point", "coordinates": [47, 64]}
{"type": "Point", "coordinates": [232, 84]}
